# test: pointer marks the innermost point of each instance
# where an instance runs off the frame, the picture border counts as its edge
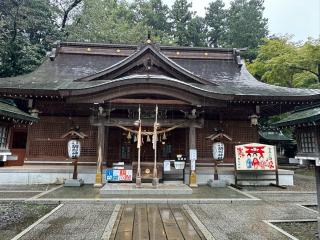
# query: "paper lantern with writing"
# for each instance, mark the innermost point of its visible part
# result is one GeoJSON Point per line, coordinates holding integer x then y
{"type": "Point", "coordinates": [74, 148]}
{"type": "Point", "coordinates": [218, 151]}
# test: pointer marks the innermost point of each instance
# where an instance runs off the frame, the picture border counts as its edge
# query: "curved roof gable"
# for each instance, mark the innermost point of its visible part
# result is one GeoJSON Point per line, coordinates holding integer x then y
{"type": "Point", "coordinates": [146, 60]}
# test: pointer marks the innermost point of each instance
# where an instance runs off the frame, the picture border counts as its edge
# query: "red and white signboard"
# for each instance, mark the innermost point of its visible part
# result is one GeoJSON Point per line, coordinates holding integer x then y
{"type": "Point", "coordinates": [255, 156]}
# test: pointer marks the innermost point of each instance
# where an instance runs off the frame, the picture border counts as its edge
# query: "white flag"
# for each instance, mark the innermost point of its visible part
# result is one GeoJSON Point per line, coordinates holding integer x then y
{"type": "Point", "coordinates": [139, 136]}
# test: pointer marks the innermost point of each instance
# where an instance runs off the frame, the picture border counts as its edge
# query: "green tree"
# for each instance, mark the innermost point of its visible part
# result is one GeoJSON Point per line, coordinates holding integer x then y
{"type": "Point", "coordinates": [197, 31]}
{"type": "Point", "coordinates": [106, 21]}
{"type": "Point", "coordinates": [28, 30]}
{"type": "Point", "coordinates": [246, 26]}
{"type": "Point", "coordinates": [309, 62]}
{"type": "Point", "coordinates": [284, 63]}
{"type": "Point", "coordinates": [181, 17]}
{"type": "Point", "coordinates": [215, 19]}
{"type": "Point", "coordinates": [154, 15]}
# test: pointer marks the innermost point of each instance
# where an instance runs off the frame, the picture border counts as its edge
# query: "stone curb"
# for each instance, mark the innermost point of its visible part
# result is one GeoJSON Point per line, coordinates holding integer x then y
{"type": "Point", "coordinates": [279, 229]}
{"type": "Point", "coordinates": [108, 230]}
{"type": "Point", "coordinates": [36, 223]}
{"type": "Point", "coordinates": [144, 200]}
{"type": "Point", "coordinates": [46, 192]}
{"type": "Point", "coordinates": [302, 205]}
{"type": "Point", "coordinates": [199, 224]}
{"type": "Point", "coordinates": [244, 193]}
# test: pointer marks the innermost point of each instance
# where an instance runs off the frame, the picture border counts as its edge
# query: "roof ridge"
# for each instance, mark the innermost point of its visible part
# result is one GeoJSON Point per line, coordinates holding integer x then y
{"type": "Point", "coordinates": [162, 47]}
{"type": "Point", "coordinates": [142, 49]}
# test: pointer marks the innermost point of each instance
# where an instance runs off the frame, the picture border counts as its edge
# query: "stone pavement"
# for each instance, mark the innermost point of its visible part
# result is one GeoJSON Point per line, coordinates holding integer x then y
{"type": "Point", "coordinates": [223, 219]}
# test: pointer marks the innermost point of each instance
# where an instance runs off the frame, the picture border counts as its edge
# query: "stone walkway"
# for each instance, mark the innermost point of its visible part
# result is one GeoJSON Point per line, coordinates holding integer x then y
{"type": "Point", "coordinates": [226, 218]}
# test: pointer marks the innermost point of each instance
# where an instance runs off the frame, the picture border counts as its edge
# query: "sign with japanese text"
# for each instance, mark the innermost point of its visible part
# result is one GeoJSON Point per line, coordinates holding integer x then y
{"type": "Point", "coordinates": [218, 151]}
{"type": "Point", "coordinates": [255, 156]}
{"type": "Point", "coordinates": [119, 175]}
{"type": "Point", "coordinates": [193, 154]}
{"type": "Point", "coordinates": [74, 148]}
{"type": "Point", "coordinates": [166, 165]}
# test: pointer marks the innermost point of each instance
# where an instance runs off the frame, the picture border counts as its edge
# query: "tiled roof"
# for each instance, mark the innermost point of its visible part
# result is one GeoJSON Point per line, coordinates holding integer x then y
{"type": "Point", "coordinates": [309, 115]}
{"type": "Point", "coordinates": [8, 110]}
{"type": "Point", "coordinates": [221, 70]}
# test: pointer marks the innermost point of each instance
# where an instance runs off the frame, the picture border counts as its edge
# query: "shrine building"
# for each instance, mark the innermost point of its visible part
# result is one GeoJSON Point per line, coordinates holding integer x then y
{"type": "Point", "coordinates": [99, 88]}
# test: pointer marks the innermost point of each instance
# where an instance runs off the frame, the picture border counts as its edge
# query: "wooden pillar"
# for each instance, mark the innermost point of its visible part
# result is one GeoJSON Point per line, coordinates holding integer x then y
{"type": "Point", "coordinates": [192, 157]}
{"type": "Point", "coordinates": [100, 154]}
{"type": "Point", "coordinates": [317, 174]}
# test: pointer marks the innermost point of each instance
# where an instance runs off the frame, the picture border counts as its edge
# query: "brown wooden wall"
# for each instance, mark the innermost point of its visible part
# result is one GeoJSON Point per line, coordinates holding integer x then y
{"type": "Point", "coordinates": [45, 142]}
{"type": "Point", "coordinates": [241, 132]}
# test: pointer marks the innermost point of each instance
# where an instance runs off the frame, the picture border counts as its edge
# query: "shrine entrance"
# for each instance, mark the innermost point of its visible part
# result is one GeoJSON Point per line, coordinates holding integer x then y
{"type": "Point", "coordinates": [121, 147]}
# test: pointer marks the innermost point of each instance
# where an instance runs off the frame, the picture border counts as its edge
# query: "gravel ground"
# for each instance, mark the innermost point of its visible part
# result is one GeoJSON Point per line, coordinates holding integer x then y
{"type": "Point", "coordinates": [40, 187]}
{"type": "Point", "coordinates": [73, 221]}
{"type": "Point", "coordinates": [302, 183]}
{"type": "Point", "coordinates": [14, 217]}
{"type": "Point", "coordinates": [244, 221]}
{"type": "Point", "coordinates": [300, 230]}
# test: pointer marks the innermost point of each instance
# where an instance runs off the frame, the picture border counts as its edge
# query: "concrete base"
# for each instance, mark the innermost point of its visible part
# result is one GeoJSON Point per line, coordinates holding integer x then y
{"type": "Point", "coordinates": [155, 182]}
{"type": "Point", "coordinates": [73, 183]}
{"type": "Point", "coordinates": [22, 175]}
{"type": "Point", "coordinates": [146, 189]}
{"type": "Point", "coordinates": [217, 183]}
{"type": "Point", "coordinates": [204, 174]}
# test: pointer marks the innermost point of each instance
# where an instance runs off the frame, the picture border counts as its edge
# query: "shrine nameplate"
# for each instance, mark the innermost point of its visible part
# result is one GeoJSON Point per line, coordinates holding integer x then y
{"type": "Point", "coordinates": [255, 156]}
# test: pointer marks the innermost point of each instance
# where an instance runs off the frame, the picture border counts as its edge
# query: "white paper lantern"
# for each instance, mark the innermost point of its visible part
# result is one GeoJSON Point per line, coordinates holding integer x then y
{"type": "Point", "coordinates": [218, 151]}
{"type": "Point", "coordinates": [74, 148]}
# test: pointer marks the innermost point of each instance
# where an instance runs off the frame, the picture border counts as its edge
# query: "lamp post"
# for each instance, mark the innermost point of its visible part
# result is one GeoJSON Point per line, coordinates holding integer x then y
{"type": "Point", "coordinates": [218, 149]}
{"type": "Point", "coordinates": [74, 149]}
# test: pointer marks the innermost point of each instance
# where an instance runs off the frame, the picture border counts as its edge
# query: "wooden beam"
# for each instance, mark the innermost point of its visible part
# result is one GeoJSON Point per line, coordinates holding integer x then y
{"type": "Point", "coordinates": [147, 122]}
{"type": "Point", "coordinates": [149, 101]}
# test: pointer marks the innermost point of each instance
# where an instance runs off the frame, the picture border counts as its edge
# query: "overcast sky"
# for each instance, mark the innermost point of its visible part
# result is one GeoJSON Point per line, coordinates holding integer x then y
{"type": "Point", "coordinates": [300, 18]}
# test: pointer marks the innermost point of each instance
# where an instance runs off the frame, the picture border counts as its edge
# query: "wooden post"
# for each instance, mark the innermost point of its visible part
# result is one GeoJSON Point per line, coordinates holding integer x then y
{"type": "Point", "coordinates": [75, 169]}
{"type": "Point", "coordinates": [155, 179]}
{"type": "Point", "coordinates": [192, 145]}
{"type": "Point", "coordinates": [138, 175]}
{"type": "Point", "coordinates": [215, 176]}
{"type": "Point", "coordinates": [100, 152]}
{"type": "Point", "coordinates": [317, 174]}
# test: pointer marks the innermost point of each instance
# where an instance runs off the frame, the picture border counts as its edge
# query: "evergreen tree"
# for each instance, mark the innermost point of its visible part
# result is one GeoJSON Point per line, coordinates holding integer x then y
{"type": "Point", "coordinates": [181, 17]}
{"type": "Point", "coordinates": [197, 32]}
{"type": "Point", "coordinates": [215, 19]}
{"type": "Point", "coordinates": [28, 30]}
{"type": "Point", "coordinates": [246, 26]}
{"type": "Point", "coordinates": [154, 15]}
{"type": "Point", "coordinates": [107, 21]}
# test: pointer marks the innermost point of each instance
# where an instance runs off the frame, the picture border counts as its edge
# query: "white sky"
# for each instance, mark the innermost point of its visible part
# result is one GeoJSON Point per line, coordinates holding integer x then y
{"type": "Point", "coordinates": [300, 18]}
